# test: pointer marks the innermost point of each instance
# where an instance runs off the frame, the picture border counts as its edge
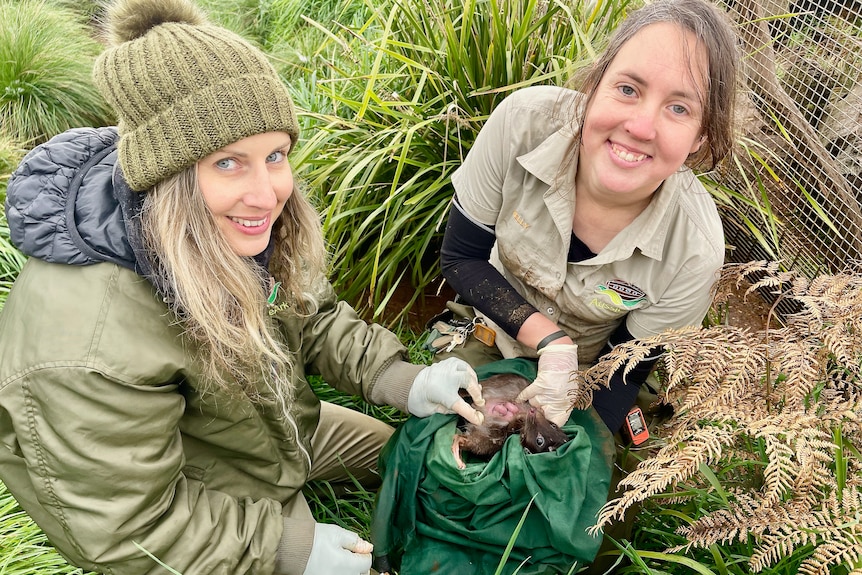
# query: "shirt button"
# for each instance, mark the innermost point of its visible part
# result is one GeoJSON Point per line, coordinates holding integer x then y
{"type": "Point", "coordinates": [550, 311]}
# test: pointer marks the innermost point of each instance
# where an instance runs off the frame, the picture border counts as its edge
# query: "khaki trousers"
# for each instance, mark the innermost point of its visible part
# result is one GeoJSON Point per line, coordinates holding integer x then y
{"type": "Point", "coordinates": [345, 445]}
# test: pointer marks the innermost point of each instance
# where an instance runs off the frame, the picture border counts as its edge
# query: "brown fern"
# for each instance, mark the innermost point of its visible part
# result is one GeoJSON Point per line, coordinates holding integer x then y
{"type": "Point", "coordinates": [788, 395]}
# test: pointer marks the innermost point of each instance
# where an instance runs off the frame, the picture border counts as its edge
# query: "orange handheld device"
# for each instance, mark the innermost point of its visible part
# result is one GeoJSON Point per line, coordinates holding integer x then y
{"type": "Point", "coordinates": [636, 427]}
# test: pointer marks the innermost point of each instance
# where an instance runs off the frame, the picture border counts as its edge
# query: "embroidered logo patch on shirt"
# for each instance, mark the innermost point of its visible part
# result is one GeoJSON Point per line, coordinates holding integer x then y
{"type": "Point", "coordinates": [621, 293]}
{"type": "Point", "coordinates": [520, 219]}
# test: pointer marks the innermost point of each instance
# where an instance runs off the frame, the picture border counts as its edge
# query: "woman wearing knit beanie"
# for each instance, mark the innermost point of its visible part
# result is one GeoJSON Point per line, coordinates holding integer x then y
{"type": "Point", "coordinates": [154, 349]}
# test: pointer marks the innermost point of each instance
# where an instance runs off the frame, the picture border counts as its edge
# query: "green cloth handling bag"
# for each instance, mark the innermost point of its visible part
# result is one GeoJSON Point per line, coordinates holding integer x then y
{"type": "Point", "coordinates": [431, 517]}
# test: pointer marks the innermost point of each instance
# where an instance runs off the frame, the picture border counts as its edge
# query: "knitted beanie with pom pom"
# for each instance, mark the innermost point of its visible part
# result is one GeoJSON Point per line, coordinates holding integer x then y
{"type": "Point", "coordinates": [183, 88]}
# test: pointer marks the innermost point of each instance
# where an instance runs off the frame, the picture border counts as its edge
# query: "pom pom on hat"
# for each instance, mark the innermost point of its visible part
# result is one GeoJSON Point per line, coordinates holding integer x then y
{"type": "Point", "coordinates": [131, 20]}
{"type": "Point", "coordinates": [183, 88]}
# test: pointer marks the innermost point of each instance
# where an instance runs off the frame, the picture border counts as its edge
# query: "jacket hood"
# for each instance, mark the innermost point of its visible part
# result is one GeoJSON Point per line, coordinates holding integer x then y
{"type": "Point", "coordinates": [66, 202]}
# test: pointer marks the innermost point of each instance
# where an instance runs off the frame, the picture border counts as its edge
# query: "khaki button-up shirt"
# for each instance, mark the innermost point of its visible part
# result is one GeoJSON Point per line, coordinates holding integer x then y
{"type": "Point", "coordinates": [655, 274]}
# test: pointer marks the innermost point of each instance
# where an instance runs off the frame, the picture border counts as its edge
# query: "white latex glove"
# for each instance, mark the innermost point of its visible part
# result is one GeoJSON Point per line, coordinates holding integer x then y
{"type": "Point", "coordinates": [337, 551]}
{"type": "Point", "coordinates": [556, 384]}
{"type": "Point", "coordinates": [435, 390]}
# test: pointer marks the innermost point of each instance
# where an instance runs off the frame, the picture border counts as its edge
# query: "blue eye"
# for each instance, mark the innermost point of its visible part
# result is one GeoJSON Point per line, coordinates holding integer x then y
{"type": "Point", "coordinates": [276, 156]}
{"type": "Point", "coordinates": [677, 109]}
{"type": "Point", "coordinates": [225, 164]}
{"type": "Point", "coordinates": [627, 90]}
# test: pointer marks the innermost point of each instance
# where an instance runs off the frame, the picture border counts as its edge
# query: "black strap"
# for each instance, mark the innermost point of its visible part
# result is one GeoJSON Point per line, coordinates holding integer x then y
{"type": "Point", "coordinates": [553, 337]}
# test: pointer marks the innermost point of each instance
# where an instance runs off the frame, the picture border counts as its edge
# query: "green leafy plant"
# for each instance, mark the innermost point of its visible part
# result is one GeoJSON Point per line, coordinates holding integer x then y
{"type": "Point", "coordinates": [245, 17]}
{"type": "Point", "coordinates": [406, 95]}
{"type": "Point", "coordinates": [90, 10]}
{"type": "Point", "coordinates": [745, 207]}
{"type": "Point", "coordinates": [298, 28]}
{"type": "Point", "coordinates": [289, 31]}
{"type": "Point", "coordinates": [11, 261]}
{"type": "Point", "coordinates": [46, 57]}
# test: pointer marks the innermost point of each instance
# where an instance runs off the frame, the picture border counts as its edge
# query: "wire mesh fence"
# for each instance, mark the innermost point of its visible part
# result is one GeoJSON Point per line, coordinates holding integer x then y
{"type": "Point", "coordinates": [800, 155]}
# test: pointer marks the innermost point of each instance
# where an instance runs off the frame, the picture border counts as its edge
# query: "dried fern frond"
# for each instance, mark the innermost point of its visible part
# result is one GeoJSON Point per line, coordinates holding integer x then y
{"type": "Point", "coordinates": [786, 400]}
{"type": "Point", "coordinates": [625, 357]}
{"type": "Point", "coordinates": [834, 529]}
{"type": "Point", "coordinates": [795, 368]}
{"type": "Point", "coordinates": [671, 464]}
{"type": "Point", "coordinates": [762, 275]}
{"type": "Point", "coordinates": [747, 516]}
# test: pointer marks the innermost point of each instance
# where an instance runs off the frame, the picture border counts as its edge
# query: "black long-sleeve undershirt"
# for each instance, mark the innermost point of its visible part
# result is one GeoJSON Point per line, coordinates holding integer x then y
{"type": "Point", "coordinates": [464, 259]}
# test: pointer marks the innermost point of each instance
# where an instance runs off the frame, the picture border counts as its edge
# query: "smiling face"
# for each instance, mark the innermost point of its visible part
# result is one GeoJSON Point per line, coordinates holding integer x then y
{"type": "Point", "coordinates": [645, 117]}
{"type": "Point", "coordinates": [245, 186]}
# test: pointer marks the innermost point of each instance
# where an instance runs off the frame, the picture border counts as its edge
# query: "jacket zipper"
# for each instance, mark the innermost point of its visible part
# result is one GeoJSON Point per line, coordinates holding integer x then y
{"type": "Point", "coordinates": [299, 441]}
{"type": "Point", "coordinates": [294, 426]}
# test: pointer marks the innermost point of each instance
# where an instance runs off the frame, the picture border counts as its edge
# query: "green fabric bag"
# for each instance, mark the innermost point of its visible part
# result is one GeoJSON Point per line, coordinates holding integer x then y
{"type": "Point", "coordinates": [431, 517]}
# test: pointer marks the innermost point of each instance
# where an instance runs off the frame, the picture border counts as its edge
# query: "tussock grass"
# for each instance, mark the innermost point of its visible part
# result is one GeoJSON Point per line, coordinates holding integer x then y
{"type": "Point", "coordinates": [11, 260]}
{"type": "Point", "coordinates": [46, 58]}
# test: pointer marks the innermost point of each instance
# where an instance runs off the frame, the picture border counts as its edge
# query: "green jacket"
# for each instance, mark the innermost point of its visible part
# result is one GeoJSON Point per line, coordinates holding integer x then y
{"type": "Point", "coordinates": [105, 439]}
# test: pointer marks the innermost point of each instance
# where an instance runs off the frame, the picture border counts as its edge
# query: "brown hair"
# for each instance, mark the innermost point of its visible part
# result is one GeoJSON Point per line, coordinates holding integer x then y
{"type": "Point", "coordinates": [713, 31]}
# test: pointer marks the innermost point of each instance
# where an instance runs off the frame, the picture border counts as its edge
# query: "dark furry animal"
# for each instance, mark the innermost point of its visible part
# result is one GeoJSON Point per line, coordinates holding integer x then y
{"type": "Point", "coordinates": [504, 417]}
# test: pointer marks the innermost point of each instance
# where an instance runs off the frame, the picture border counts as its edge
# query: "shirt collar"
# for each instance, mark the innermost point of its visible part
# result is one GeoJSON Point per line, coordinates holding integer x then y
{"type": "Point", "coordinates": [647, 232]}
{"type": "Point", "coordinates": [546, 159]}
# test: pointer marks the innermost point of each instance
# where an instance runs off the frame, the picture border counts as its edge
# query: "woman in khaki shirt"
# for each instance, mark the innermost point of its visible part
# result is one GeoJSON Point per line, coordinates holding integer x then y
{"type": "Point", "coordinates": [577, 223]}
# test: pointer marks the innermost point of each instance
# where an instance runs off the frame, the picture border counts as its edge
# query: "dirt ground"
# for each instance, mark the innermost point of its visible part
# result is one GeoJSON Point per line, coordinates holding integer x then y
{"type": "Point", "coordinates": [751, 311]}
{"type": "Point", "coordinates": [427, 306]}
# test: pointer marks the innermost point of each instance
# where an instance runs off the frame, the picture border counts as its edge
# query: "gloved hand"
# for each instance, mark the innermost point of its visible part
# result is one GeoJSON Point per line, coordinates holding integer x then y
{"type": "Point", "coordinates": [556, 384]}
{"type": "Point", "coordinates": [337, 551]}
{"type": "Point", "coordinates": [435, 390]}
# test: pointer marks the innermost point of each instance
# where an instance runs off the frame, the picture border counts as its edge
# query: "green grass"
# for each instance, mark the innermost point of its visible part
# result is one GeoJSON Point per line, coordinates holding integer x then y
{"type": "Point", "coordinates": [24, 549]}
{"type": "Point", "coordinates": [11, 260]}
{"type": "Point", "coordinates": [46, 58]}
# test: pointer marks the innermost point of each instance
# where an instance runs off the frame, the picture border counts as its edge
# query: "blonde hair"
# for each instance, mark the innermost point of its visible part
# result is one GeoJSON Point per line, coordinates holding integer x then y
{"type": "Point", "coordinates": [220, 298]}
